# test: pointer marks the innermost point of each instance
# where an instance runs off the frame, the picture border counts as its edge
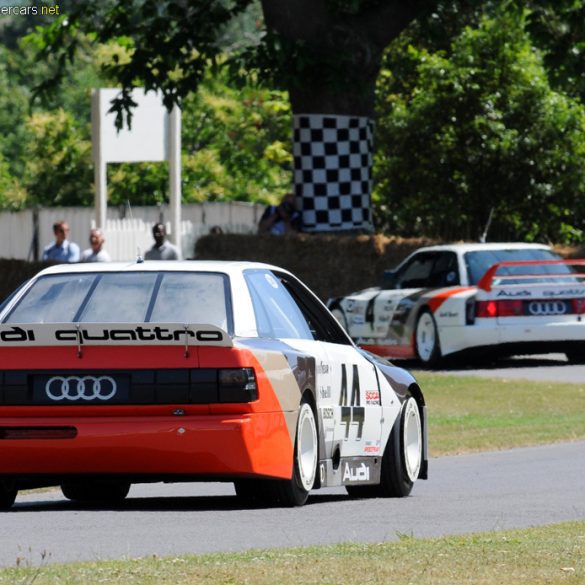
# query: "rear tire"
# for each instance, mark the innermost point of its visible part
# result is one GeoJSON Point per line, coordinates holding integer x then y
{"type": "Point", "coordinates": [295, 491]}
{"type": "Point", "coordinates": [426, 339]}
{"type": "Point", "coordinates": [8, 494]}
{"type": "Point", "coordinates": [106, 492]}
{"type": "Point", "coordinates": [403, 455]}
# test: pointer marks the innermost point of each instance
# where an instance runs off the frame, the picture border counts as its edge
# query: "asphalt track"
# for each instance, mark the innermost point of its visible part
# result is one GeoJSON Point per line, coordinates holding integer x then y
{"type": "Point", "coordinates": [467, 493]}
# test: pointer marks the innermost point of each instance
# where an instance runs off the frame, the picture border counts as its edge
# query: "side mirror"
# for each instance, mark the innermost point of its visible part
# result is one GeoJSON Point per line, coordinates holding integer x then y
{"type": "Point", "coordinates": [389, 280]}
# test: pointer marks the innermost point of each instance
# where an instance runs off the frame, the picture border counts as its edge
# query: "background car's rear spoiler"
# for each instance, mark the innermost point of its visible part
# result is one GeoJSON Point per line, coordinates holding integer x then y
{"type": "Point", "coordinates": [81, 334]}
{"type": "Point", "coordinates": [487, 279]}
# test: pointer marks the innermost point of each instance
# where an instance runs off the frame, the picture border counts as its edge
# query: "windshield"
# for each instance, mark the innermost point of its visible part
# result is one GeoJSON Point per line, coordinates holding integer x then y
{"type": "Point", "coordinates": [137, 297]}
{"type": "Point", "coordinates": [478, 262]}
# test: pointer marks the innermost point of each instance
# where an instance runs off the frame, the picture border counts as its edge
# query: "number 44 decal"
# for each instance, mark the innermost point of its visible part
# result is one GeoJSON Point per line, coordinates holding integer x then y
{"type": "Point", "coordinates": [351, 412]}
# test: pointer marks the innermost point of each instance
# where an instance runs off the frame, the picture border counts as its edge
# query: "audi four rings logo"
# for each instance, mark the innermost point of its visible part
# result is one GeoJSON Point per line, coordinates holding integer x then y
{"type": "Point", "coordinates": [81, 388]}
{"type": "Point", "coordinates": [547, 308]}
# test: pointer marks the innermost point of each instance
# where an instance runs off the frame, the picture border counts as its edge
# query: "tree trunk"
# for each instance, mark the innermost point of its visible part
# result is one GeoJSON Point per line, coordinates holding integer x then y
{"type": "Point", "coordinates": [331, 82]}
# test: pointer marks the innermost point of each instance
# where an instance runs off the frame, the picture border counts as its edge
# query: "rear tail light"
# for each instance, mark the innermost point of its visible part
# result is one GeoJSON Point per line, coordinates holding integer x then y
{"type": "Point", "coordinates": [578, 306]}
{"type": "Point", "coordinates": [489, 309]}
{"type": "Point", "coordinates": [237, 385]}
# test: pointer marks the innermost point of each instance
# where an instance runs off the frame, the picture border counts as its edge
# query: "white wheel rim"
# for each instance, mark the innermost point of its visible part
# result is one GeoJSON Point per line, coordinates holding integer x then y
{"type": "Point", "coordinates": [307, 447]}
{"type": "Point", "coordinates": [425, 337]}
{"type": "Point", "coordinates": [412, 439]}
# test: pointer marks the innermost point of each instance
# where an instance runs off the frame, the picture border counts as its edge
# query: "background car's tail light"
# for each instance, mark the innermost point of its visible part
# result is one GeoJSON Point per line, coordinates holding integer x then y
{"type": "Point", "coordinates": [485, 309]}
{"type": "Point", "coordinates": [489, 309]}
{"type": "Point", "coordinates": [237, 385]}
{"type": "Point", "coordinates": [578, 306]}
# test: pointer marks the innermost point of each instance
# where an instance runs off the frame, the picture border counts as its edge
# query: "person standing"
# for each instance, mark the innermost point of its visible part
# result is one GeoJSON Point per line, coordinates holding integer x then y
{"type": "Point", "coordinates": [96, 252]}
{"type": "Point", "coordinates": [162, 250]}
{"type": "Point", "coordinates": [281, 219]}
{"type": "Point", "coordinates": [61, 250]}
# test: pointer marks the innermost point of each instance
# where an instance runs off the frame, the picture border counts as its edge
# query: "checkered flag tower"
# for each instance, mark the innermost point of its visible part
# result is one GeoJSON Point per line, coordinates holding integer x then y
{"type": "Point", "coordinates": [333, 171]}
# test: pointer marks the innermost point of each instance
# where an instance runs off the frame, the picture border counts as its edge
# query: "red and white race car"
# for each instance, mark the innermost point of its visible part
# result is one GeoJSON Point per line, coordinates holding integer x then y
{"type": "Point", "coordinates": [113, 374]}
{"type": "Point", "coordinates": [493, 298]}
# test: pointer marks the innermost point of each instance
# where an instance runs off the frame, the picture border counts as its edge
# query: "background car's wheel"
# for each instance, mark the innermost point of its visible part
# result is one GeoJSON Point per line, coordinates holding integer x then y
{"type": "Point", "coordinates": [426, 340]}
{"type": "Point", "coordinates": [8, 493]}
{"type": "Point", "coordinates": [295, 491]}
{"type": "Point", "coordinates": [104, 491]}
{"type": "Point", "coordinates": [340, 317]}
{"type": "Point", "coordinates": [404, 452]}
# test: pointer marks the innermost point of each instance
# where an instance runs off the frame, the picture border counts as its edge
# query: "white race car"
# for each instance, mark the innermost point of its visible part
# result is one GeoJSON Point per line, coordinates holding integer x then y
{"type": "Point", "coordinates": [490, 298]}
{"type": "Point", "coordinates": [114, 374]}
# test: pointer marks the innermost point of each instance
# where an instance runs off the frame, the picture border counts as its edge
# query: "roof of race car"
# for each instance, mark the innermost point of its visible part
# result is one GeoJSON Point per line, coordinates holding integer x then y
{"type": "Point", "coordinates": [225, 266]}
{"type": "Point", "coordinates": [475, 247]}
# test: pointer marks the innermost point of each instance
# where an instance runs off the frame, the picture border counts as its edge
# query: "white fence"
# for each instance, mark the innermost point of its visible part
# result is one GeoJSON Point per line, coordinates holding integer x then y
{"type": "Point", "coordinates": [124, 235]}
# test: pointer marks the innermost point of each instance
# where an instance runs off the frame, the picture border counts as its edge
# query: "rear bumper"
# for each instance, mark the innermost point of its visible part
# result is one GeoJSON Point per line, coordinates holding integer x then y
{"type": "Point", "coordinates": [203, 446]}
{"type": "Point", "coordinates": [526, 337]}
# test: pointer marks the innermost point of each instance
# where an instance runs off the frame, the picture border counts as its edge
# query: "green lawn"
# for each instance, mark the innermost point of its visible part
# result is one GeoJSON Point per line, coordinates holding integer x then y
{"type": "Point", "coordinates": [476, 414]}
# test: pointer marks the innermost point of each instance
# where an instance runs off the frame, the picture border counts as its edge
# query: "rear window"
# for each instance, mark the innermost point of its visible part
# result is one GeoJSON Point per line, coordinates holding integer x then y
{"type": "Point", "coordinates": [478, 262]}
{"type": "Point", "coordinates": [137, 297]}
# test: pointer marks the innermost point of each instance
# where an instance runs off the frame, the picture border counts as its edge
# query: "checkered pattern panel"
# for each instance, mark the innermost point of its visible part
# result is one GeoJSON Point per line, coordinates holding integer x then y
{"type": "Point", "coordinates": [333, 171]}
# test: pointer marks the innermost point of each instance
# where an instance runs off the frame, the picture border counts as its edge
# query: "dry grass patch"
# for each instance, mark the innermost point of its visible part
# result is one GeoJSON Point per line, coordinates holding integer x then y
{"type": "Point", "coordinates": [551, 555]}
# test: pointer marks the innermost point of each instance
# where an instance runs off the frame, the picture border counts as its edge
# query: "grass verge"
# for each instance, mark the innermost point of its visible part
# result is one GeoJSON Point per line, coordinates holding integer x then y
{"type": "Point", "coordinates": [479, 414]}
{"type": "Point", "coordinates": [551, 555]}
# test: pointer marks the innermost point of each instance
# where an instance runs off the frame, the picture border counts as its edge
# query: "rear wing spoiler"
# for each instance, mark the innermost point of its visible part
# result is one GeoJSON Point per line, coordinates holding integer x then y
{"type": "Point", "coordinates": [85, 334]}
{"type": "Point", "coordinates": [486, 282]}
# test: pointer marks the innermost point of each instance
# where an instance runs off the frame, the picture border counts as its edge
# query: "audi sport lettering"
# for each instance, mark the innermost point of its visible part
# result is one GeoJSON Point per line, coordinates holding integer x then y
{"type": "Point", "coordinates": [171, 371]}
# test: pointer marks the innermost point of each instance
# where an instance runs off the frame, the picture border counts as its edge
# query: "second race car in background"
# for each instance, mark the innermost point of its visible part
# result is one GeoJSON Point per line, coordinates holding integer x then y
{"type": "Point", "coordinates": [495, 298]}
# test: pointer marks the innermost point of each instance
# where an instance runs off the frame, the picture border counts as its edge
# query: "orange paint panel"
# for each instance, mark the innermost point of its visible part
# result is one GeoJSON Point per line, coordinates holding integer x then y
{"type": "Point", "coordinates": [435, 302]}
{"type": "Point", "coordinates": [199, 445]}
{"type": "Point", "coordinates": [397, 351]}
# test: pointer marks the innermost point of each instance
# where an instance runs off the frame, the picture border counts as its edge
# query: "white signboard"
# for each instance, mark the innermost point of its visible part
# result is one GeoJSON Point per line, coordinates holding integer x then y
{"type": "Point", "coordinates": [155, 136]}
{"type": "Point", "coordinates": [147, 140]}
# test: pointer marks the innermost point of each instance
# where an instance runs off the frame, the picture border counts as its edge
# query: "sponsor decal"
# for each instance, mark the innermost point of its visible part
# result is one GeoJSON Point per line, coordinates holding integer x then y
{"type": "Point", "coordinates": [327, 413]}
{"type": "Point", "coordinates": [325, 392]}
{"type": "Point", "coordinates": [360, 473]}
{"type": "Point", "coordinates": [358, 320]}
{"type": "Point", "coordinates": [349, 305]}
{"type": "Point", "coordinates": [573, 292]}
{"type": "Point", "coordinates": [384, 318]}
{"type": "Point", "coordinates": [449, 314]}
{"type": "Point", "coordinates": [372, 397]}
{"type": "Point", "coordinates": [322, 368]}
{"type": "Point", "coordinates": [17, 334]}
{"type": "Point", "coordinates": [139, 333]}
{"type": "Point", "coordinates": [372, 449]}
{"type": "Point", "coordinates": [514, 293]}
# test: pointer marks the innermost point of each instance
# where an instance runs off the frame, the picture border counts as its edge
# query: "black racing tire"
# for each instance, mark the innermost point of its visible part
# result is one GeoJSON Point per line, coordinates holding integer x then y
{"type": "Point", "coordinates": [8, 494]}
{"type": "Point", "coordinates": [295, 491]}
{"type": "Point", "coordinates": [403, 455]}
{"type": "Point", "coordinates": [426, 340]}
{"type": "Point", "coordinates": [99, 491]}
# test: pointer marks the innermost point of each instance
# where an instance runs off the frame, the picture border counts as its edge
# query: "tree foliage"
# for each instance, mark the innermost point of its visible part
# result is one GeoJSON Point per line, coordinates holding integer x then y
{"type": "Point", "coordinates": [479, 129]}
